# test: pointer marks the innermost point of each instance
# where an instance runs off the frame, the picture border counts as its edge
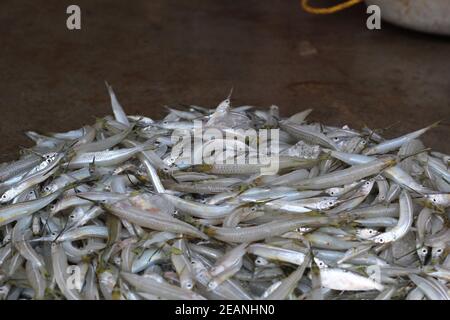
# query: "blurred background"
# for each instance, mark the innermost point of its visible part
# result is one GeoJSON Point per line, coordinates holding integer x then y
{"type": "Point", "coordinates": [164, 52]}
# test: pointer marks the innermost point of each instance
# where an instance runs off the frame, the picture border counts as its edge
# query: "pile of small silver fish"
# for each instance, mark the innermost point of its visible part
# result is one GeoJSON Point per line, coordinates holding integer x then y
{"type": "Point", "coordinates": [108, 212]}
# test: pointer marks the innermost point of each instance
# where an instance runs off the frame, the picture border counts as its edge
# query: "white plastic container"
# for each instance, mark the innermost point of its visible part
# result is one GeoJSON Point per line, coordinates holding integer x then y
{"type": "Point", "coordinates": [431, 16]}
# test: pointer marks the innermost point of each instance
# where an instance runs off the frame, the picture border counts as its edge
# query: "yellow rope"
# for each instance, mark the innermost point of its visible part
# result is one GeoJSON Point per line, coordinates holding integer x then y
{"type": "Point", "coordinates": [333, 9]}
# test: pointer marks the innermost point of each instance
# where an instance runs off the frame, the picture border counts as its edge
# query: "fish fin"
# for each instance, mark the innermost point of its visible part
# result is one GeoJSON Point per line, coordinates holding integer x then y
{"type": "Point", "coordinates": [119, 113]}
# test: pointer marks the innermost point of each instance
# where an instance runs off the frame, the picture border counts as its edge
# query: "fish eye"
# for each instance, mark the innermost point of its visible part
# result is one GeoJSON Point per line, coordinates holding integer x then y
{"type": "Point", "coordinates": [4, 196]}
{"type": "Point", "coordinates": [370, 231]}
{"type": "Point", "coordinates": [253, 209]}
{"type": "Point", "coordinates": [49, 160]}
{"type": "Point", "coordinates": [367, 183]}
{"type": "Point", "coordinates": [54, 234]}
{"type": "Point", "coordinates": [72, 216]}
{"type": "Point", "coordinates": [331, 192]}
{"type": "Point", "coordinates": [189, 285]}
{"type": "Point", "coordinates": [52, 207]}
{"type": "Point", "coordinates": [363, 142]}
{"type": "Point", "coordinates": [165, 122]}
{"type": "Point", "coordinates": [330, 203]}
{"type": "Point", "coordinates": [424, 250]}
{"type": "Point", "coordinates": [381, 240]}
{"type": "Point", "coordinates": [335, 138]}
{"type": "Point", "coordinates": [439, 250]}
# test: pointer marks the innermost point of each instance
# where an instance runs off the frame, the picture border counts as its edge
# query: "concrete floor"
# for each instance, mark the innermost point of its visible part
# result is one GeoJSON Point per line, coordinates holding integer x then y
{"type": "Point", "coordinates": [161, 52]}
